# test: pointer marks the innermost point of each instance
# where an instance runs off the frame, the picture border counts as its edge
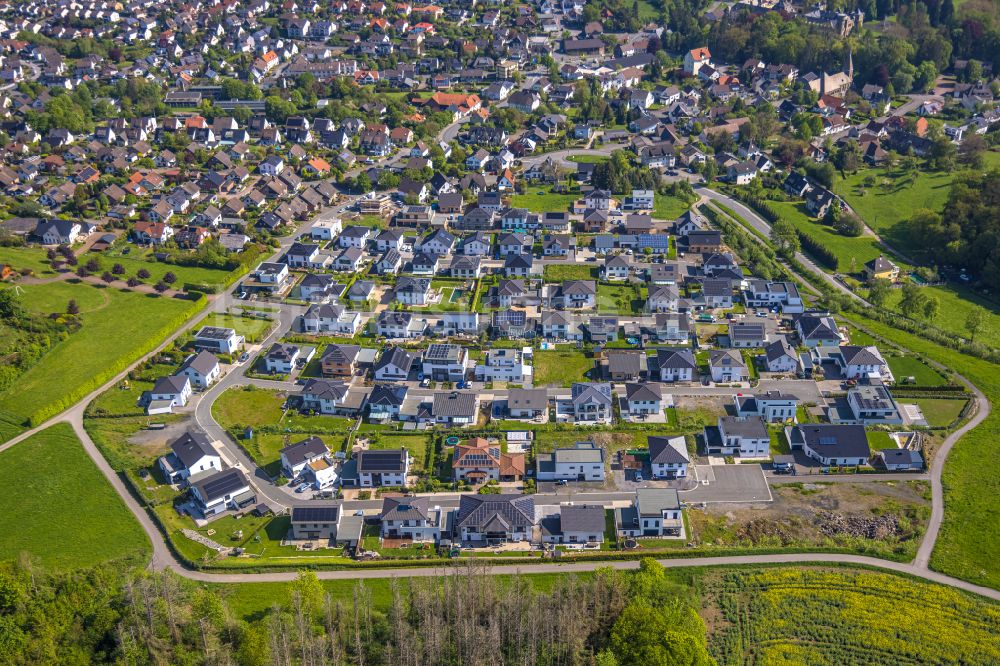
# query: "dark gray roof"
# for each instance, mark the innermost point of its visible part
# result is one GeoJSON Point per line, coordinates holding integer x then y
{"type": "Point", "coordinates": [382, 461]}
{"type": "Point", "coordinates": [527, 399]}
{"type": "Point", "coordinates": [586, 518]}
{"type": "Point", "coordinates": [675, 358]}
{"type": "Point", "coordinates": [404, 508]}
{"type": "Point", "coordinates": [454, 404]}
{"type": "Point", "coordinates": [220, 484]}
{"type": "Point", "coordinates": [661, 451]}
{"type": "Point", "coordinates": [635, 391]}
{"type": "Point", "coordinates": [203, 362]}
{"type": "Point", "coordinates": [387, 394]}
{"type": "Point", "coordinates": [514, 510]}
{"type": "Point", "coordinates": [625, 361]}
{"type": "Point", "coordinates": [832, 441]}
{"type": "Point", "coordinates": [307, 449]}
{"type": "Point", "coordinates": [738, 426]}
{"type": "Point", "coordinates": [316, 512]}
{"type": "Point", "coordinates": [191, 447]}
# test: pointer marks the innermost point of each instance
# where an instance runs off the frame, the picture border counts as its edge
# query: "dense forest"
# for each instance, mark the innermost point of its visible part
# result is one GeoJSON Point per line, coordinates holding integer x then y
{"type": "Point", "coordinates": [108, 615]}
{"type": "Point", "coordinates": [967, 233]}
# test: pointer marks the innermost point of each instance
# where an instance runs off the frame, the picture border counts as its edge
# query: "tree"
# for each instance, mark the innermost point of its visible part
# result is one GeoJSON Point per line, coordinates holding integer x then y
{"type": "Point", "coordinates": [647, 635]}
{"type": "Point", "coordinates": [878, 292]}
{"type": "Point", "coordinates": [160, 287]}
{"type": "Point", "coordinates": [974, 321]}
{"type": "Point", "coordinates": [931, 307]}
{"type": "Point", "coordinates": [169, 277]}
{"type": "Point", "coordinates": [118, 269]}
{"type": "Point", "coordinates": [133, 282]}
{"type": "Point", "coordinates": [11, 308]}
{"type": "Point", "coordinates": [363, 183]}
{"type": "Point", "coordinates": [108, 277]}
{"type": "Point", "coordinates": [143, 274]}
{"type": "Point", "coordinates": [93, 265]}
{"type": "Point", "coordinates": [785, 237]}
{"type": "Point", "coordinates": [913, 300]}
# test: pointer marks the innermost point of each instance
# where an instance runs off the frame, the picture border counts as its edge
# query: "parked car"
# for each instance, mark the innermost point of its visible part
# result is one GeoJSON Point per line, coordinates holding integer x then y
{"type": "Point", "coordinates": [301, 489]}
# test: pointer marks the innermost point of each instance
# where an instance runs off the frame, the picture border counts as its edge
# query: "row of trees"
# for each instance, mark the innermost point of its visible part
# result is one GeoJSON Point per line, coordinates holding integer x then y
{"type": "Point", "coordinates": [109, 615]}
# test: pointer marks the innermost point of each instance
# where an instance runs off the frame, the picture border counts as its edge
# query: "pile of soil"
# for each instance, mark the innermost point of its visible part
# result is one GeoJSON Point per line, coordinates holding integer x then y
{"type": "Point", "coordinates": [857, 525]}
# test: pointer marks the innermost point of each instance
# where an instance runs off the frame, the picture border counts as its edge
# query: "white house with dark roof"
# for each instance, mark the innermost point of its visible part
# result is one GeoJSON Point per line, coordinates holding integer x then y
{"type": "Point", "coordinates": [455, 409]}
{"type": "Point", "coordinates": [295, 458]}
{"type": "Point", "coordinates": [495, 519]}
{"type": "Point", "coordinates": [583, 525]}
{"type": "Point", "coordinates": [726, 365]}
{"type": "Point", "coordinates": [202, 369]}
{"type": "Point", "coordinates": [380, 468]}
{"type": "Point", "coordinates": [676, 364]}
{"type": "Point", "coordinates": [191, 454]}
{"type": "Point", "coordinates": [584, 461]}
{"type": "Point", "coordinates": [818, 330]}
{"type": "Point", "coordinates": [772, 406]}
{"type": "Point", "coordinates": [746, 437]}
{"type": "Point", "coordinates": [643, 399]}
{"type": "Point", "coordinates": [668, 457]}
{"type": "Point", "coordinates": [591, 402]}
{"type": "Point", "coordinates": [830, 444]}
{"type": "Point", "coordinates": [413, 518]}
{"type": "Point", "coordinates": [221, 491]}
{"type": "Point", "coordinates": [779, 356]}
{"type": "Point", "coordinates": [167, 393]}
{"type": "Point", "coordinates": [856, 362]}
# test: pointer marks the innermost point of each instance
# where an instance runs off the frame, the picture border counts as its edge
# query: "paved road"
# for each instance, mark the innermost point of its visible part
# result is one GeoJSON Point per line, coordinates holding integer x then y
{"type": "Point", "coordinates": [761, 225]}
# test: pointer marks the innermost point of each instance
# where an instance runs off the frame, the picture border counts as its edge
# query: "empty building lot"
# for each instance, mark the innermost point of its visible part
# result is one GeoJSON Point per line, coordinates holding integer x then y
{"type": "Point", "coordinates": [729, 483]}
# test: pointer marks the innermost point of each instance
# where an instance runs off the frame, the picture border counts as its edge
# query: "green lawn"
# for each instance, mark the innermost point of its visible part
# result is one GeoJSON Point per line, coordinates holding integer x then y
{"type": "Point", "coordinates": [254, 329]}
{"type": "Point", "coordinates": [892, 198]}
{"type": "Point", "coordinates": [561, 368]}
{"type": "Point", "coordinates": [139, 258]}
{"type": "Point", "coordinates": [861, 249]}
{"type": "Point", "coordinates": [669, 208]}
{"type": "Point", "coordinates": [415, 444]}
{"type": "Point", "coordinates": [546, 202]}
{"type": "Point", "coordinates": [955, 304]}
{"type": "Point", "coordinates": [878, 439]}
{"type": "Point", "coordinates": [27, 257]}
{"type": "Point", "coordinates": [908, 366]}
{"type": "Point", "coordinates": [560, 272]}
{"type": "Point", "coordinates": [965, 549]}
{"type": "Point", "coordinates": [588, 159]}
{"type": "Point", "coordinates": [242, 407]}
{"type": "Point", "coordinates": [618, 299]}
{"type": "Point", "coordinates": [118, 327]}
{"type": "Point", "coordinates": [65, 515]}
{"type": "Point", "coordinates": [939, 412]}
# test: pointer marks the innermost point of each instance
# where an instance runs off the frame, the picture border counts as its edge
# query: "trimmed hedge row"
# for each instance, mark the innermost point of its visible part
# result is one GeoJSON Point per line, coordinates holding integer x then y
{"type": "Point", "coordinates": [817, 250]}
{"type": "Point", "coordinates": [43, 414]}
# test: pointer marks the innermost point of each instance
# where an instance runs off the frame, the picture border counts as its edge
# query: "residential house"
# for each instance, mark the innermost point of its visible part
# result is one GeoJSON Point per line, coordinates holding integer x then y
{"type": "Point", "coordinates": [382, 468]}
{"type": "Point", "coordinates": [727, 366]}
{"type": "Point", "coordinates": [656, 512]}
{"type": "Point", "coordinates": [495, 519]}
{"type": "Point", "coordinates": [642, 400]}
{"type": "Point", "coordinates": [455, 409]}
{"type": "Point", "coordinates": [445, 362]}
{"type": "Point", "coordinates": [224, 490]}
{"type": "Point", "coordinates": [295, 458]}
{"type": "Point", "coordinates": [191, 455]}
{"type": "Point", "coordinates": [583, 524]}
{"type": "Point", "coordinates": [831, 445]}
{"type": "Point", "coordinates": [746, 437]}
{"type": "Point", "coordinates": [527, 403]}
{"type": "Point", "coordinates": [202, 369]}
{"type": "Point", "coordinates": [772, 406]}
{"type": "Point", "coordinates": [668, 457]}
{"type": "Point", "coordinates": [676, 364]}
{"type": "Point", "coordinates": [591, 402]}
{"type": "Point", "coordinates": [478, 461]}
{"type": "Point", "coordinates": [395, 364]}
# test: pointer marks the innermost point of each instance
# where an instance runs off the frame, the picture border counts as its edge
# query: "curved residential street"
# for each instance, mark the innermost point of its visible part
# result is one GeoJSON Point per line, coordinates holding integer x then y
{"type": "Point", "coordinates": [163, 557]}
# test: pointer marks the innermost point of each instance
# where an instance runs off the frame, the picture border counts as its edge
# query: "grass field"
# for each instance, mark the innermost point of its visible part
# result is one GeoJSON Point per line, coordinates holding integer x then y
{"type": "Point", "coordinates": [561, 367]}
{"type": "Point", "coordinates": [560, 272]}
{"type": "Point", "coordinates": [254, 329]}
{"type": "Point", "coordinates": [878, 440]}
{"type": "Point", "coordinates": [242, 407]}
{"type": "Point", "coordinates": [71, 518]}
{"type": "Point", "coordinates": [546, 202]}
{"type": "Point", "coordinates": [139, 258]}
{"type": "Point", "coordinates": [893, 197]}
{"type": "Point", "coordinates": [939, 412]}
{"type": "Point", "coordinates": [27, 257]}
{"type": "Point", "coordinates": [908, 366]}
{"type": "Point", "coordinates": [619, 299]}
{"type": "Point", "coordinates": [117, 326]}
{"type": "Point", "coordinates": [955, 304]}
{"type": "Point", "coordinates": [971, 489]}
{"type": "Point", "coordinates": [861, 249]}
{"type": "Point", "coordinates": [669, 208]}
{"type": "Point", "coordinates": [588, 159]}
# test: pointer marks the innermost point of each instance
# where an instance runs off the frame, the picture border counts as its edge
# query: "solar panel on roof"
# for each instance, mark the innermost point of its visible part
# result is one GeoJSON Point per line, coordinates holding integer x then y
{"type": "Point", "coordinates": [315, 514]}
